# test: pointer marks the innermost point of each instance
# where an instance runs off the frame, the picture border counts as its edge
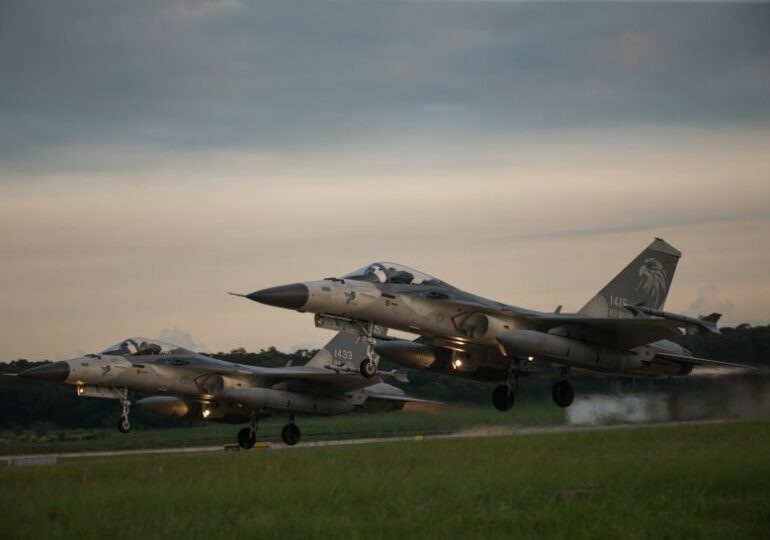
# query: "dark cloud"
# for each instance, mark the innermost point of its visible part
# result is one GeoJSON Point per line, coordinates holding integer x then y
{"type": "Point", "coordinates": [188, 75]}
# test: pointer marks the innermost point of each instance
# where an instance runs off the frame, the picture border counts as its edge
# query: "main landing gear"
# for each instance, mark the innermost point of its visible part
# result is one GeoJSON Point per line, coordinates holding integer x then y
{"type": "Point", "coordinates": [563, 393]}
{"type": "Point", "coordinates": [247, 437]}
{"type": "Point", "coordinates": [124, 425]}
{"type": "Point", "coordinates": [291, 433]}
{"type": "Point", "coordinates": [503, 398]}
{"type": "Point", "coordinates": [504, 395]}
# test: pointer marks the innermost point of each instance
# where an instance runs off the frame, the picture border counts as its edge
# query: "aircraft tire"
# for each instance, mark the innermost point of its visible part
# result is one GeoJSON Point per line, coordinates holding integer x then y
{"type": "Point", "coordinates": [124, 426]}
{"type": "Point", "coordinates": [368, 368]}
{"type": "Point", "coordinates": [563, 394]}
{"type": "Point", "coordinates": [290, 434]}
{"type": "Point", "coordinates": [502, 398]}
{"type": "Point", "coordinates": [247, 438]}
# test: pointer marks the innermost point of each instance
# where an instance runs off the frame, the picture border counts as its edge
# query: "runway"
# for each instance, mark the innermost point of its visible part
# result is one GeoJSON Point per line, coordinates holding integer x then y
{"type": "Point", "coordinates": [477, 433]}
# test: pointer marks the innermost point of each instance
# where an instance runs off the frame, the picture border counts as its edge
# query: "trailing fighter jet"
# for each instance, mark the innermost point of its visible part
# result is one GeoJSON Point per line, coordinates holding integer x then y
{"type": "Point", "coordinates": [622, 330]}
{"type": "Point", "coordinates": [194, 385]}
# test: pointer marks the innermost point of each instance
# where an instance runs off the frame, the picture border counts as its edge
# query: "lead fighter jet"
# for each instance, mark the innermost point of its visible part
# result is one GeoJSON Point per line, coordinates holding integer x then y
{"type": "Point", "coordinates": [196, 385]}
{"type": "Point", "coordinates": [622, 330]}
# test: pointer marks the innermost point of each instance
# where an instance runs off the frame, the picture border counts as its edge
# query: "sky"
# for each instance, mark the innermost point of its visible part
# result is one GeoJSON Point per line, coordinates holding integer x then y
{"type": "Point", "coordinates": [156, 155]}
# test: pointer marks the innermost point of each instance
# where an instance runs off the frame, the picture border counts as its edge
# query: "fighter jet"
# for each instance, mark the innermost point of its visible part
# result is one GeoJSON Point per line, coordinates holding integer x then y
{"type": "Point", "coordinates": [190, 384]}
{"type": "Point", "coordinates": [622, 330]}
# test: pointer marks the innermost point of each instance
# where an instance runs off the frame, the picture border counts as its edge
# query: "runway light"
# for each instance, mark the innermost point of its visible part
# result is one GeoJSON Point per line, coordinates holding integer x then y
{"type": "Point", "coordinates": [206, 413]}
{"type": "Point", "coordinates": [530, 358]}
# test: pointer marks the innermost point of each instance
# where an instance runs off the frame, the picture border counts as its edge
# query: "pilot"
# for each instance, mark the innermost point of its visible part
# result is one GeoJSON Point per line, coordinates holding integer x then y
{"type": "Point", "coordinates": [399, 276]}
{"type": "Point", "coordinates": [374, 272]}
{"type": "Point", "coordinates": [149, 349]}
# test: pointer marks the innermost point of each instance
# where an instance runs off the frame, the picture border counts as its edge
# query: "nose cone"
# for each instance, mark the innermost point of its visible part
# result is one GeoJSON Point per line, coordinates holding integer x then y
{"type": "Point", "coordinates": [292, 296]}
{"type": "Point", "coordinates": [56, 372]}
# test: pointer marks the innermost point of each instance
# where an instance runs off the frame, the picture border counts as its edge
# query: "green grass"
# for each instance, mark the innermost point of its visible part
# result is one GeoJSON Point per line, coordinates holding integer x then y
{"type": "Point", "coordinates": [698, 481]}
{"type": "Point", "coordinates": [446, 419]}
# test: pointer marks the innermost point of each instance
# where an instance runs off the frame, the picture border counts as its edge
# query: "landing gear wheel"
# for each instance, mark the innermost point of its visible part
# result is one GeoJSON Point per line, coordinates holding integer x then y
{"type": "Point", "coordinates": [368, 368]}
{"type": "Point", "coordinates": [563, 394]}
{"type": "Point", "coordinates": [247, 437]}
{"type": "Point", "coordinates": [124, 426]}
{"type": "Point", "coordinates": [290, 434]}
{"type": "Point", "coordinates": [503, 398]}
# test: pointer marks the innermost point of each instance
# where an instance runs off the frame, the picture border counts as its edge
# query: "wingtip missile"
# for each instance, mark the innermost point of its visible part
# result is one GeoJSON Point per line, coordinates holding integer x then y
{"type": "Point", "coordinates": [695, 325]}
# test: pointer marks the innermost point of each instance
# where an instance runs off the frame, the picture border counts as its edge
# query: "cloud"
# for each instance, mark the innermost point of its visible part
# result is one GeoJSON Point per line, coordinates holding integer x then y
{"type": "Point", "coordinates": [708, 301]}
{"type": "Point", "coordinates": [198, 76]}
{"type": "Point", "coordinates": [155, 155]}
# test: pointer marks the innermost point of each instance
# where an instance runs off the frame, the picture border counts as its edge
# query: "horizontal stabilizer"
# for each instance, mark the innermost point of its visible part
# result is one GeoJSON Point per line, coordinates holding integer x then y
{"type": "Point", "coordinates": [694, 361]}
{"type": "Point", "coordinates": [403, 398]}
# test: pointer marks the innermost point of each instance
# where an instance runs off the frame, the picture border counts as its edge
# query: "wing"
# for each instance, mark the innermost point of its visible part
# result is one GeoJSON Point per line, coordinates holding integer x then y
{"type": "Point", "coordinates": [693, 361]}
{"type": "Point", "coordinates": [622, 333]}
{"type": "Point", "coordinates": [319, 380]}
{"type": "Point", "coordinates": [388, 397]}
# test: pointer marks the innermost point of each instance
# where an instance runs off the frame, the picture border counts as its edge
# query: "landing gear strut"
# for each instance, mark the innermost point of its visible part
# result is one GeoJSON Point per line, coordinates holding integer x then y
{"type": "Point", "coordinates": [247, 437]}
{"type": "Point", "coordinates": [563, 393]}
{"type": "Point", "coordinates": [504, 395]}
{"type": "Point", "coordinates": [368, 367]}
{"type": "Point", "coordinates": [124, 426]}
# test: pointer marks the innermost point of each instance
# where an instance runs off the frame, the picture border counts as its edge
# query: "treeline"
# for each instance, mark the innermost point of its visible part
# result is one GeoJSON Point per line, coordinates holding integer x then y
{"type": "Point", "coordinates": [27, 404]}
{"type": "Point", "coordinates": [743, 344]}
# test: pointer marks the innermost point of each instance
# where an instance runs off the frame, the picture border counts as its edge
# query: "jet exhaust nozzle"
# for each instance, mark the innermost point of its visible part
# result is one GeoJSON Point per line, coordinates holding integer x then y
{"type": "Point", "coordinates": [292, 296]}
{"type": "Point", "coordinates": [55, 372]}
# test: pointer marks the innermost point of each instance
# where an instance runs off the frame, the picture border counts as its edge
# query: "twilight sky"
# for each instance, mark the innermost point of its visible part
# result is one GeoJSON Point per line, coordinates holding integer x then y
{"type": "Point", "coordinates": [155, 155]}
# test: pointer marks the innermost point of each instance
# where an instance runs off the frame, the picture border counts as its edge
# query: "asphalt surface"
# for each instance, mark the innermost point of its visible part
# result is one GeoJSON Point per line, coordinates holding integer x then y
{"type": "Point", "coordinates": [473, 433]}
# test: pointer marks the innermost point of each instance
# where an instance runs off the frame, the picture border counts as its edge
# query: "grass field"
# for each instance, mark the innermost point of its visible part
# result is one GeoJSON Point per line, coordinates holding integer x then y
{"type": "Point", "coordinates": [445, 419]}
{"type": "Point", "coordinates": [698, 481]}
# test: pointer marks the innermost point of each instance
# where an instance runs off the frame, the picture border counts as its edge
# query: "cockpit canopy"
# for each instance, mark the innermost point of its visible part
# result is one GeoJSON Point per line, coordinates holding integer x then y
{"type": "Point", "coordinates": [385, 272]}
{"type": "Point", "coordinates": [137, 346]}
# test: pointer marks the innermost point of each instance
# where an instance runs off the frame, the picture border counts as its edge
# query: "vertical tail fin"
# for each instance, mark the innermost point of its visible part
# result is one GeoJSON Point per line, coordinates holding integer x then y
{"type": "Point", "coordinates": [646, 281]}
{"type": "Point", "coordinates": [344, 351]}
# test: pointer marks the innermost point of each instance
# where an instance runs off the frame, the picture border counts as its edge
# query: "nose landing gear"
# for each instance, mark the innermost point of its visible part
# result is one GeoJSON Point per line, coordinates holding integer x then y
{"type": "Point", "coordinates": [124, 425]}
{"type": "Point", "coordinates": [368, 368]}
